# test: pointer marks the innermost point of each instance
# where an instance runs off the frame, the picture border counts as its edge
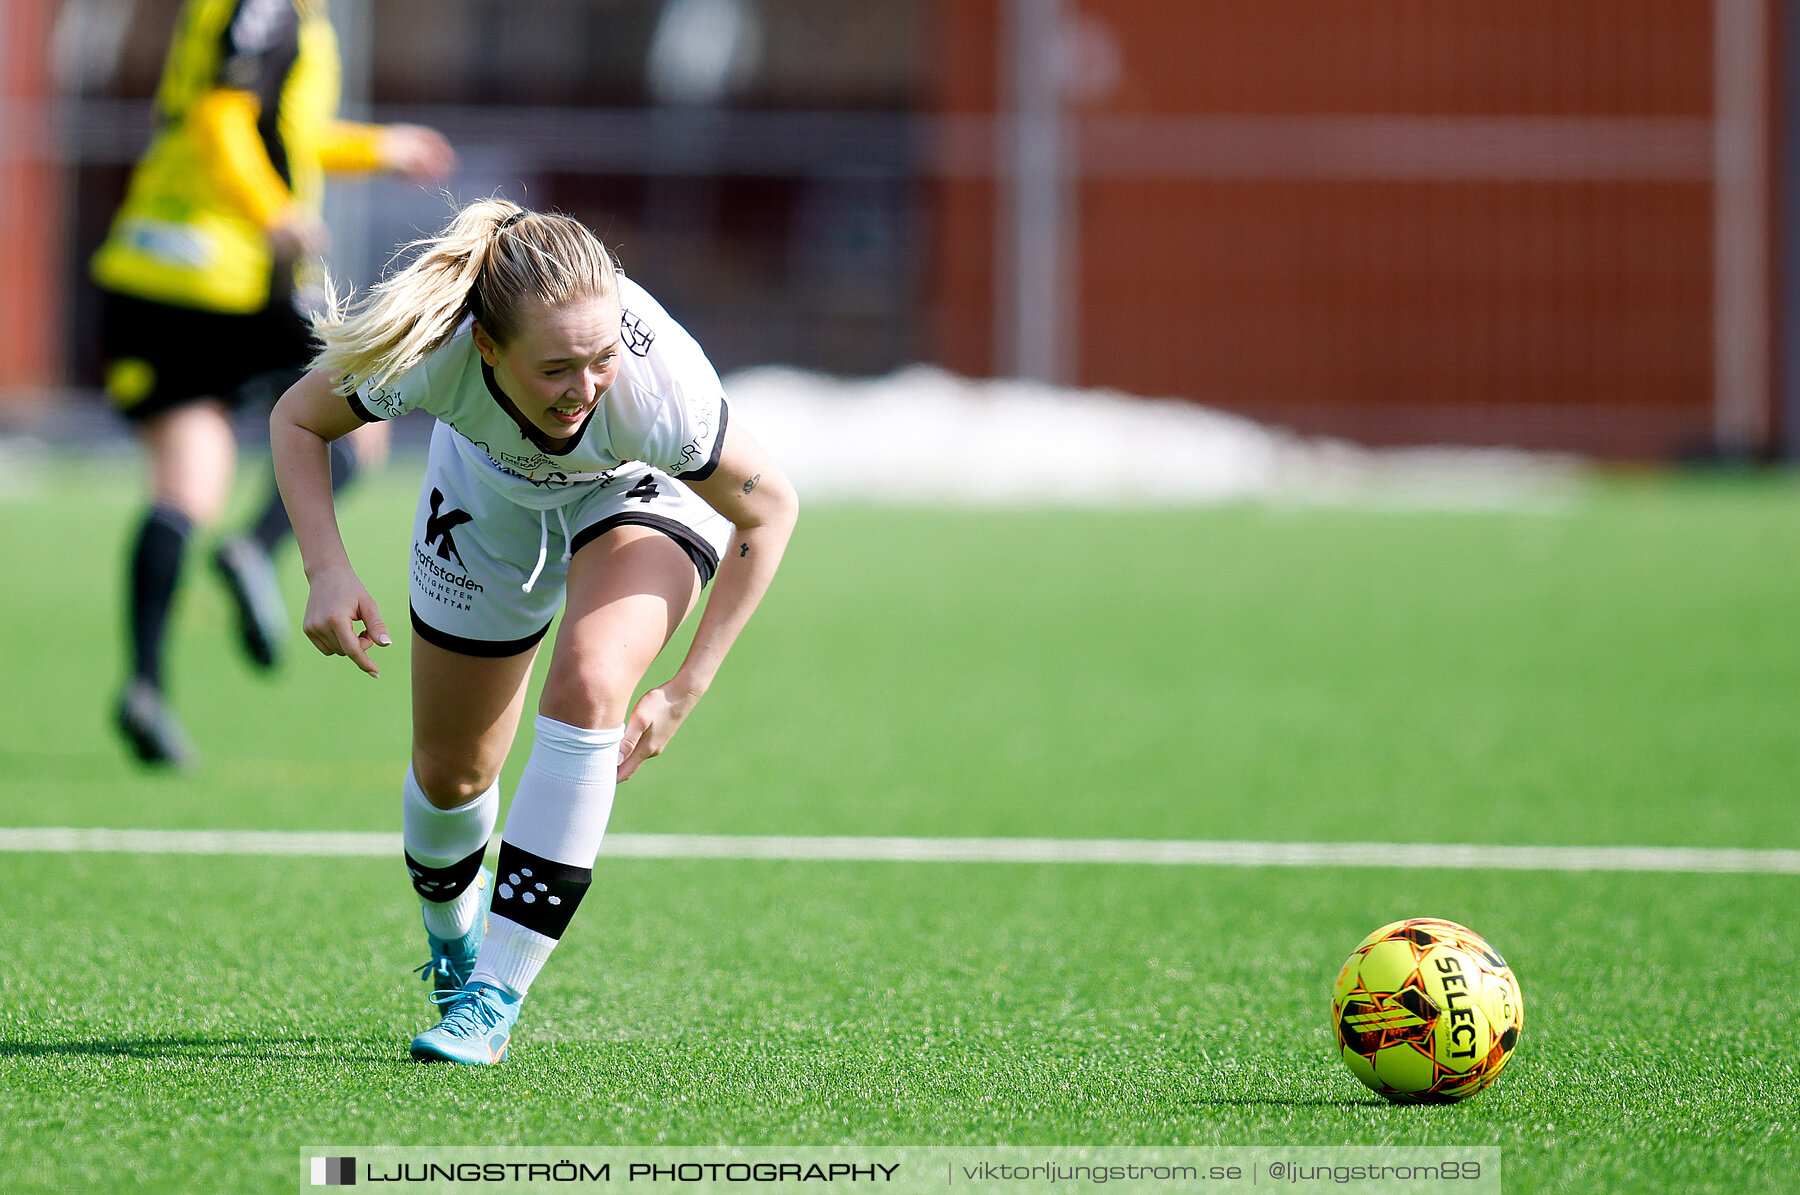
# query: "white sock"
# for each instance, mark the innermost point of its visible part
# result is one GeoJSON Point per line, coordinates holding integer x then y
{"type": "Point", "coordinates": [511, 956]}
{"type": "Point", "coordinates": [443, 849]}
{"type": "Point", "coordinates": [553, 832]}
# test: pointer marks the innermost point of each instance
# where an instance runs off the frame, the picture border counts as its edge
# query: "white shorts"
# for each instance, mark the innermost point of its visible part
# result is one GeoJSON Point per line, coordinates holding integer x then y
{"type": "Point", "coordinates": [474, 548]}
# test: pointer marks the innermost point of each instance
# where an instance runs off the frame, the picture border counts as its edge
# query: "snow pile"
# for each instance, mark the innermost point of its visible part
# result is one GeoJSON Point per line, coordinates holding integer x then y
{"type": "Point", "coordinates": [926, 436]}
{"type": "Point", "coordinates": [21, 467]}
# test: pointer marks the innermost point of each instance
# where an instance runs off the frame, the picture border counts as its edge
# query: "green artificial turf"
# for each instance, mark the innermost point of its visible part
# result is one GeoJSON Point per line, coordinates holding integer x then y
{"type": "Point", "coordinates": [1618, 671]}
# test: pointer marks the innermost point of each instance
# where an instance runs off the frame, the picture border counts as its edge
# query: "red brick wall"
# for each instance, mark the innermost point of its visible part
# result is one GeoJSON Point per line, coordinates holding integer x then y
{"type": "Point", "coordinates": [30, 207]}
{"type": "Point", "coordinates": [1397, 220]}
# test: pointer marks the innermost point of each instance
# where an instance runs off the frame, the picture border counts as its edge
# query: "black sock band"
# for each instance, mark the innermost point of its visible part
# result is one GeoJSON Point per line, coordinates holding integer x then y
{"type": "Point", "coordinates": [441, 885]}
{"type": "Point", "coordinates": [273, 525]}
{"type": "Point", "coordinates": [540, 894]}
{"type": "Point", "coordinates": [155, 569]}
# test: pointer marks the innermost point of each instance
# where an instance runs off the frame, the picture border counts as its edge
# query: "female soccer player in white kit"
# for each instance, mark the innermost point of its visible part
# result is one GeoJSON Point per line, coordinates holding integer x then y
{"type": "Point", "coordinates": [585, 457]}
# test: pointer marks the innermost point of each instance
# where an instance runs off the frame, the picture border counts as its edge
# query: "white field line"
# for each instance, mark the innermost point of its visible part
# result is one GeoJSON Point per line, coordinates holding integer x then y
{"type": "Point", "coordinates": [961, 850]}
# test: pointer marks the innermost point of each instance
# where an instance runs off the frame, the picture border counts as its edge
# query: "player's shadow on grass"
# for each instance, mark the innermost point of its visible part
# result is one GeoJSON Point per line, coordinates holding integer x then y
{"type": "Point", "coordinates": [224, 1046]}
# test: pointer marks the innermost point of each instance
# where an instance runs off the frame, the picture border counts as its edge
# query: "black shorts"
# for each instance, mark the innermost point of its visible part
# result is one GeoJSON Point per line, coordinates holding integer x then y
{"type": "Point", "coordinates": [159, 356]}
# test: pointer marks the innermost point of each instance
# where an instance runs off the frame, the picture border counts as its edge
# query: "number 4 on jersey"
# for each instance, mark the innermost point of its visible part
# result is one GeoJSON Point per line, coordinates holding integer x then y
{"type": "Point", "coordinates": [644, 489]}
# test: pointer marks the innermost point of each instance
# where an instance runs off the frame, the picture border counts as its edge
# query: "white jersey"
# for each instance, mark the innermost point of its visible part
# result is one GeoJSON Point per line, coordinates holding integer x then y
{"type": "Point", "coordinates": [666, 409]}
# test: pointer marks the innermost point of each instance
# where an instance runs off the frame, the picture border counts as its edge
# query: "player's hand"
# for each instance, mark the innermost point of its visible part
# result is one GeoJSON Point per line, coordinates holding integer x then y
{"type": "Point", "coordinates": [416, 152]}
{"type": "Point", "coordinates": [336, 604]}
{"type": "Point", "coordinates": [659, 714]}
{"type": "Point", "coordinates": [300, 234]}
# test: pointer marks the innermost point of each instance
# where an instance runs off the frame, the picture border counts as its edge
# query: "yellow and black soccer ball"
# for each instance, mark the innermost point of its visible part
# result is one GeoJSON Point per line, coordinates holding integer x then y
{"type": "Point", "coordinates": [1425, 1011]}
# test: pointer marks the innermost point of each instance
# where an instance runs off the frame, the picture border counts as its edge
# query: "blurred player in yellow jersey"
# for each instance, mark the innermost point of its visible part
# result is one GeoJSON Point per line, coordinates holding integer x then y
{"type": "Point", "coordinates": [198, 275]}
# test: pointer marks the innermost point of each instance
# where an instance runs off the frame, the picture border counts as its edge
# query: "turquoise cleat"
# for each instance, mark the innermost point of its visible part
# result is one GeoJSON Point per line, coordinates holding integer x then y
{"type": "Point", "coordinates": [476, 1028]}
{"type": "Point", "coordinates": [452, 959]}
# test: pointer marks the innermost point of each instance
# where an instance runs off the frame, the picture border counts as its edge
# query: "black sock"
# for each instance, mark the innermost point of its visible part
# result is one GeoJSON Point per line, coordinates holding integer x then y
{"type": "Point", "coordinates": [273, 526]}
{"type": "Point", "coordinates": [441, 885]}
{"type": "Point", "coordinates": [538, 893]}
{"type": "Point", "coordinates": [155, 568]}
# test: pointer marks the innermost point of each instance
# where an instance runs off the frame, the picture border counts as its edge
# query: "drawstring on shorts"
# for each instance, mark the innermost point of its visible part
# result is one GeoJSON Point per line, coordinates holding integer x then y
{"type": "Point", "coordinates": [544, 546]}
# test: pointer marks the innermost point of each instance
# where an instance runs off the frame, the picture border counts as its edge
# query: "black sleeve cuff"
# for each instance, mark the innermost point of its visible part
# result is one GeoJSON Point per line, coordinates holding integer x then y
{"type": "Point", "coordinates": [361, 412]}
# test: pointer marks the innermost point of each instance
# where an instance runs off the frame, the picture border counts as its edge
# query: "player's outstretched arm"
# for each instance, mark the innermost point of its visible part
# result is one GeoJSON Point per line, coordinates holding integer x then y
{"type": "Point", "coordinates": [750, 489]}
{"type": "Point", "coordinates": [417, 152]}
{"type": "Point", "coordinates": [308, 417]}
{"type": "Point", "coordinates": [414, 151]}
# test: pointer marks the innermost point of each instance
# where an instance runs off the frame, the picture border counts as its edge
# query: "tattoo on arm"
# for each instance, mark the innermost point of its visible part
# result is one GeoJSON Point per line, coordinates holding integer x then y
{"type": "Point", "coordinates": [751, 484]}
{"type": "Point", "coordinates": [743, 549]}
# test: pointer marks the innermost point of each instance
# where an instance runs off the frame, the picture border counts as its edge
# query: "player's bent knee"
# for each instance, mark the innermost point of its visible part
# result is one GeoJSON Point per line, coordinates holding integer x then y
{"type": "Point", "coordinates": [594, 694]}
{"type": "Point", "coordinates": [449, 783]}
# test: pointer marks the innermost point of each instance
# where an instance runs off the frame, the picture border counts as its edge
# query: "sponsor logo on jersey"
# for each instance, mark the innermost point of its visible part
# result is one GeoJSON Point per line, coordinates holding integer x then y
{"type": "Point", "coordinates": [176, 244]}
{"type": "Point", "coordinates": [695, 447]}
{"type": "Point", "coordinates": [384, 400]}
{"type": "Point", "coordinates": [637, 335]}
{"type": "Point", "coordinates": [526, 468]}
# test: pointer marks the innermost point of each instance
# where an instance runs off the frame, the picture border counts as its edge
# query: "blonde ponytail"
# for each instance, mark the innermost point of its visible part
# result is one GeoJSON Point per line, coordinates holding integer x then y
{"type": "Point", "coordinates": [492, 259]}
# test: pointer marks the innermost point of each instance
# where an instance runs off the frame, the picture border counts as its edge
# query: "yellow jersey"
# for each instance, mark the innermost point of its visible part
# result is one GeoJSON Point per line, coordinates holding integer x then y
{"type": "Point", "coordinates": [245, 128]}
